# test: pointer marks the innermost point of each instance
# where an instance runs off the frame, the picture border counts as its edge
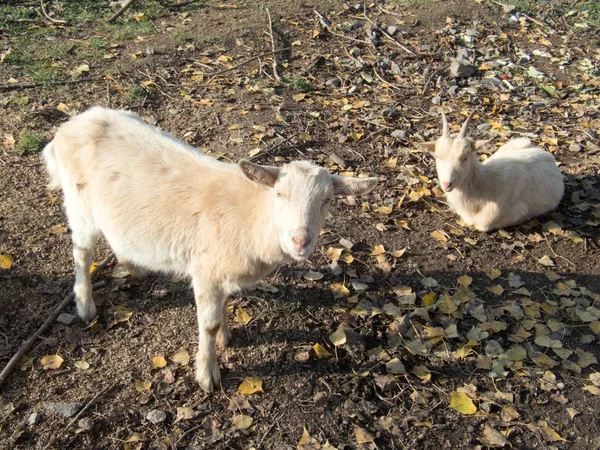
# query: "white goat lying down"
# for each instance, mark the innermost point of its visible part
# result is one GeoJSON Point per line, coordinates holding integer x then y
{"type": "Point", "coordinates": [165, 206]}
{"type": "Point", "coordinates": [518, 182]}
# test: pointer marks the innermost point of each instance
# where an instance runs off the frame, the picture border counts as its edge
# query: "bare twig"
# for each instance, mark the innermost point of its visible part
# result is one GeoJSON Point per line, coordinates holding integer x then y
{"type": "Point", "coordinates": [120, 12]}
{"type": "Point", "coordinates": [15, 86]}
{"type": "Point", "coordinates": [389, 36]}
{"type": "Point", "coordinates": [47, 16]}
{"type": "Point", "coordinates": [29, 342]}
{"type": "Point", "coordinates": [176, 5]}
{"type": "Point", "coordinates": [243, 63]}
{"type": "Point", "coordinates": [275, 74]}
{"type": "Point", "coordinates": [80, 413]}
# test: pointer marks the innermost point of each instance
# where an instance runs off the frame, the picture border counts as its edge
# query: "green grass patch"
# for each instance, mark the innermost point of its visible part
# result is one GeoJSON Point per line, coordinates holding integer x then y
{"type": "Point", "coordinates": [30, 142]}
{"type": "Point", "coordinates": [299, 83]}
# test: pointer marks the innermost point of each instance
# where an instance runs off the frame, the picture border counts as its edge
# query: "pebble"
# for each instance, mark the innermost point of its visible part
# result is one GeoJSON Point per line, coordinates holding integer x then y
{"type": "Point", "coordinates": [460, 69]}
{"type": "Point", "coordinates": [63, 409]}
{"type": "Point", "coordinates": [575, 148]}
{"type": "Point", "coordinates": [437, 100]}
{"type": "Point", "coordinates": [86, 424]}
{"type": "Point", "coordinates": [67, 319]}
{"type": "Point", "coordinates": [484, 127]}
{"type": "Point", "coordinates": [334, 83]}
{"type": "Point", "coordinates": [156, 416]}
{"type": "Point", "coordinates": [399, 134]}
{"type": "Point", "coordinates": [33, 419]}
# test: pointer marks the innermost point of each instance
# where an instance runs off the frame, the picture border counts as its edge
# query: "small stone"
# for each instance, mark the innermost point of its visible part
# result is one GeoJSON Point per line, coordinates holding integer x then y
{"type": "Point", "coordinates": [392, 29]}
{"type": "Point", "coordinates": [437, 100]}
{"type": "Point", "coordinates": [587, 339]}
{"type": "Point", "coordinates": [395, 68]}
{"type": "Point", "coordinates": [593, 147]}
{"type": "Point", "coordinates": [399, 134]}
{"type": "Point", "coordinates": [67, 319]}
{"type": "Point", "coordinates": [460, 69]}
{"type": "Point", "coordinates": [62, 409]}
{"type": "Point", "coordinates": [463, 54]}
{"type": "Point", "coordinates": [452, 90]}
{"type": "Point", "coordinates": [334, 83]}
{"type": "Point", "coordinates": [575, 148]}
{"type": "Point", "coordinates": [86, 424]}
{"type": "Point", "coordinates": [156, 416]}
{"type": "Point", "coordinates": [484, 127]}
{"type": "Point", "coordinates": [352, 90]}
{"type": "Point", "coordinates": [33, 419]}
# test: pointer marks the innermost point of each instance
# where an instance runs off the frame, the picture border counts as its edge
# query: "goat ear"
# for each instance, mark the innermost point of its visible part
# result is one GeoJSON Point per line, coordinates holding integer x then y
{"type": "Point", "coordinates": [429, 147]}
{"type": "Point", "coordinates": [481, 144]}
{"type": "Point", "coordinates": [266, 175]}
{"type": "Point", "coordinates": [352, 186]}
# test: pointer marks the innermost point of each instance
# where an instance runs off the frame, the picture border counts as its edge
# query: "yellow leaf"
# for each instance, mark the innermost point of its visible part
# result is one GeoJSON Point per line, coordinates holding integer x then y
{"type": "Point", "coordinates": [82, 365]}
{"type": "Point", "coordinates": [387, 210]}
{"type": "Point", "coordinates": [136, 437]}
{"type": "Point", "coordinates": [461, 402]}
{"type": "Point", "coordinates": [142, 386]}
{"type": "Point", "coordinates": [496, 289]}
{"type": "Point", "coordinates": [333, 253]}
{"type": "Point", "coordinates": [546, 261]}
{"type": "Point", "coordinates": [78, 71]}
{"type": "Point", "coordinates": [181, 357]}
{"type": "Point", "coordinates": [241, 422]}
{"type": "Point", "coordinates": [242, 316]}
{"type": "Point", "coordinates": [6, 261]}
{"type": "Point", "coordinates": [251, 386]}
{"type": "Point", "coordinates": [595, 390]}
{"type": "Point", "coordinates": [307, 442]}
{"type": "Point", "coordinates": [440, 236]}
{"type": "Point", "coordinates": [465, 280]}
{"type": "Point", "coordinates": [58, 229]}
{"type": "Point", "coordinates": [595, 326]}
{"type": "Point", "coordinates": [123, 316]}
{"type": "Point", "coordinates": [339, 290]}
{"type": "Point", "coordinates": [347, 258]}
{"type": "Point", "coordinates": [378, 250]}
{"type": "Point", "coordinates": [321, 351]}
{"type": "Point", "coordinates": [362, 436]}
{"type": "Point", "coordinates": [550, 434]}
{"type": "Point", "coordinates": [402, 224]}
{"type": "Point", "coordinates": [422, 372]}
{"type": "Point", "coordinates": [235, 126]}
{"type": "Point", "coordinates": [429, 299]}
{"type": "Point", "coordinates": [298, 97]}
{"type": "Point", "coordinates": [338, 337]}
{"type": "Point", "coordinates": [140, 17]}
{"type": "Point", "coordinates": [62, 107]}
{"type": "Point", "coordinates": [159, 362]}
{"type": "Point", "coordinates": [51, 362]}
{"type": "Point", "coordinates": [224, 59]}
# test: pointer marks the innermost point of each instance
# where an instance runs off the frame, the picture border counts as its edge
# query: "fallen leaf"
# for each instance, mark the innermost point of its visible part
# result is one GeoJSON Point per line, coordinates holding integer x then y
{"type": "Point", "coordinates": [142, 386]}
{"type": "Point", "coordinates": [51, 362]}
{"type": "Point", "coordinates": [79, 70]}
{"type": "Point", "coordinates": [181, 357]}
{"type": "Point", "coordinates": [395, 366]}
{"type": "Point", "coordinates": [496, 289]}
{"type": "Point", "coordinates": [82, 365]}
{"type": "Point", "coordinates": [546, 261]}
{"type": "Point", "coordinates": [312, 276]}
{"type": "Point", "coordinates": [439, 235]}
{"type": "Point", "coordinates": [595, 390]}
{"type": "Point", "coordinates": [550, 434]}
{"type": "Point", "coordinates": [251, 386]}
{"type": "Point", "coordinates": [362, 436]}
{"type": "Point", "coordinates": [307, 442]}
{"type": "Point", "coordinates": [242, 316]}
{"type": "Point", "coordinates": [461, 402]}
{"type": "Point", "coordinates": [185, 413]}
{"type": "Point", "coordinates": [339, 290]}
{"type": "Point", "coordinates": [6, 261]}
{"type": "Point", "coordinates": [159, 362]}
{"type": "Point", "coordinates": [492, 437]}
{"type": "Point", "coordinates": [241, 422]}
{"type": "Point", "coordinates": [492, 273]}
{"type": "Point", "coordinates": [338, 337]}
{"type": "Point", "coordinates": [321, 351]}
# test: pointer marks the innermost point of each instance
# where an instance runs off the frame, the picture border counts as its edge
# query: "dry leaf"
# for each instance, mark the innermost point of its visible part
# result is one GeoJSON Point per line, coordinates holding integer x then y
{"type": "Point", "coordinates": [492, 438]}
{"type": "Point", "coordinates": [550, 434]}
{"type": "Point", "coordinates": [79, 70]}
{"type": "Point", "coordinates": [439, 235]}
{"type": "Point", "coordinates": [321, 351]}
{"type": "Point", "coordinates": [362, 436]}
{"type": "Point", "coordinates": [159, 362]}
{"type": "Point", "coordinates": [185, 413]}
{"type": "Point", "coordinates": [241, 422]}
{"type": "Point", "coordinates": [251, 386]}
{"type": "Point", "coordinates": [6, 261]}
{"type": "Point", "coordinates": [181, 357]}
{"type": "Point", "coordinates": [82, 365]}
{"type": "Point", "coordinates": [51, 362]}
{"type": "Point", "coordinates": [142, 386]}
{"type": "Point", "coordinates": [461, 402]}
{"type": "Point", "coordinates": [492, 273]}
{"type": "Point", "coordinates": [339, 290]}
{"type": "Point", "coordinates": [546, 261]}
{"type": "Point", "coordinates": [242, 316]}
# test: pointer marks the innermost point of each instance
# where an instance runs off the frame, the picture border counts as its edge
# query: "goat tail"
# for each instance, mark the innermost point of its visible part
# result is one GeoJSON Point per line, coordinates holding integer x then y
{"type": "Point", "coordinates": [49, 156]}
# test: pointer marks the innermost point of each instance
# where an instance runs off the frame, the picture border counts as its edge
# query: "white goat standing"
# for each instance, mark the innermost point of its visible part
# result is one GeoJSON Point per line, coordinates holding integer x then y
{"type": "Point", "coordinates": [518, 182]}
{"type": "Point", "coordinates": [165, 206]}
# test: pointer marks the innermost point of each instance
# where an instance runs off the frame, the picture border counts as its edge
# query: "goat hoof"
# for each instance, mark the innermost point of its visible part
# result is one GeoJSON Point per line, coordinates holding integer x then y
{"type": "Point", "coordinates": [86, 311]}
{"type": "Point", "coordinates": [208, 376]}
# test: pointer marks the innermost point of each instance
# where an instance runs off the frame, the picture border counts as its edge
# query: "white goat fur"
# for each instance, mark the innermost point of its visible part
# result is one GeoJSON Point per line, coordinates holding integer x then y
{"type": "Point", "coordinates": [518, 182]}
{"type": "Point", "coordinates": [165, 206]}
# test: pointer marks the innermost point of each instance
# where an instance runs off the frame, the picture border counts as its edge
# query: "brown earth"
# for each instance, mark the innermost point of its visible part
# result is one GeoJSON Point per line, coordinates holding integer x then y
{"type": "Point", "coordinates": [351, 399]}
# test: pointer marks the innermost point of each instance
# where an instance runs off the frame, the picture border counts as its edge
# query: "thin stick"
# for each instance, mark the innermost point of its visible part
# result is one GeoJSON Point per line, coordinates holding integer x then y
{"type": "Point", "coordinates": [29, 342]}
{"type": "Point", "coordinates": [80, 413]}
{"type": "Point", "coordinates": [387, 35]}
{"type": "Point", "coordinates": [14, 86]}
{"type": "Point", "coordinates": [275, 74]}
{"type": "Point", "coordinates": [120, 12]}
{"type": "Point", "coordinates": [243, 63]}
{"type": "Point", "coordinates": [45, 13]}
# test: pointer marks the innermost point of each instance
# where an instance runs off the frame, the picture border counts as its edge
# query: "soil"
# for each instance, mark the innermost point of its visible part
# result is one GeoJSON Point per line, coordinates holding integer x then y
{"type": "Point", "coordinates": [347, 399]}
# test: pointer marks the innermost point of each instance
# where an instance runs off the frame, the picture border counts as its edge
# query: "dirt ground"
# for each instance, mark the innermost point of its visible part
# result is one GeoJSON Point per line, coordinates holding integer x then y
{"type": "Point", "coordinates": [405, 329]}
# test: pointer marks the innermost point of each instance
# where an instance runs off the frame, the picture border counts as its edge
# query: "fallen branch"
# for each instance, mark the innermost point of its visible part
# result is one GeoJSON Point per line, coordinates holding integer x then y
{"type": "Point", "coordinates": [120, 12]}
{"type": "Point", "coordinates": [15, 86]}
{"type": "Point", "coordinates": [387, 35]}
{"type": "Point", "coordinates": [275, 74]}
{"type": "Point", "coordinates": [167, 4]}
{"type": "Point", "coordinates": [47, 16]}
{"type": "Point", "coordinates": [80, 413]}
{"type": "Point", "coordinates": [12, 364]}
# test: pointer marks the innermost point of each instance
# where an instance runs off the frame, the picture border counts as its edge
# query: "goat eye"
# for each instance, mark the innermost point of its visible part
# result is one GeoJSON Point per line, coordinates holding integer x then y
{"type": "Point", "coordinates": [279, 195]}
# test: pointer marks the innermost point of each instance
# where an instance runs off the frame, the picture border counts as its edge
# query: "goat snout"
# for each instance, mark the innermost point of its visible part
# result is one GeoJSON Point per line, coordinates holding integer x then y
{"type": "Point", "coordinates": [301, 240]}
{"type": "Point", "coordinates": [447, 185]}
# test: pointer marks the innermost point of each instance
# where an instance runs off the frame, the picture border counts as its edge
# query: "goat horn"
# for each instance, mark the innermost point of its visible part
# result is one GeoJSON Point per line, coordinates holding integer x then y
{"type": "Point", "coordinates": [463, 130]}
{"type": "Point", "coordinates": [445, 127]}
